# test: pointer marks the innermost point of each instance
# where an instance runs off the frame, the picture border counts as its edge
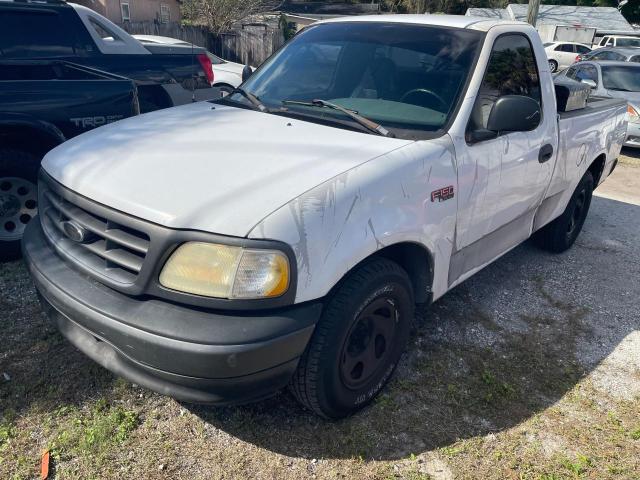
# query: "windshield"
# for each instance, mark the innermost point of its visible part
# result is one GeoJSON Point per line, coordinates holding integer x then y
{"type": "Point", "coordinates": [624, 77]}
{"type": "Point", "coordinates": [408, 78]}
{"type": "Point", "coordinates": [628, 42]}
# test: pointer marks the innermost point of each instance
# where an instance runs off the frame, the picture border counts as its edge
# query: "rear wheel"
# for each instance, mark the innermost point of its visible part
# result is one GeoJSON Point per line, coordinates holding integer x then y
{"type": "Point", "coordinates": [358, 342]}
{"type": "Point", "coordinates": [560, 234]}
{"type": "Point", "coordinates": [18, 198]}
{"type": "Point", "coordinates": [553, 66]}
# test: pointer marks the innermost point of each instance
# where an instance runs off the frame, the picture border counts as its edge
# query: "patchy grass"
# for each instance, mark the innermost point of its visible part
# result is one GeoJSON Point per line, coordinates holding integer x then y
{"type": "Point", "coordinates": [507, 410]}
{"type": "Point", "coordinates": [630, 156]}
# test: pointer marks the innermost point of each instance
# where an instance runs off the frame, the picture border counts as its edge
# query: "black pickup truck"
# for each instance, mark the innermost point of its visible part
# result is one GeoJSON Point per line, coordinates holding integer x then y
{"type": "Point", "coordinates": [42, 104]}
{"type": "Point", "coordinates": [47, 29]}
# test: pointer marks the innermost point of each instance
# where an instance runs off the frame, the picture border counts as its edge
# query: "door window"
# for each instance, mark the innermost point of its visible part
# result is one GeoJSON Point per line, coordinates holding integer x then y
{"type": "Point", "coordinates": [587, 72]}
{"type": "Point", "coordinates": [103, 31]}
{"type": "Point", "coordinates": [565, 47]}
{"type": "Point", "coordinates": [608, 55]}
{"type": "Point", "coordinates": [581, 49]}
{"type": "Point", "coordinates": [511, 71]}
{"type": "Point", "coordinates": [628, 42]}
{"type": "Point", "coordinates": [34, 35]}
{"type": "Point", "coordinates": [571, 73]}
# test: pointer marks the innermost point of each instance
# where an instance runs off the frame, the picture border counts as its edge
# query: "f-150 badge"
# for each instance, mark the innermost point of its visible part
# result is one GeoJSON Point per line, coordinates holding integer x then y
{"type": "Point", "coordinates": [442, 194]}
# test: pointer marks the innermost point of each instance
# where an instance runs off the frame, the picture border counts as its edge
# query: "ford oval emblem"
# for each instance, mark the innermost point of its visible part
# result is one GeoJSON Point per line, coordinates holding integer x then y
{"type": "Point", "coordinates": [76, 232]}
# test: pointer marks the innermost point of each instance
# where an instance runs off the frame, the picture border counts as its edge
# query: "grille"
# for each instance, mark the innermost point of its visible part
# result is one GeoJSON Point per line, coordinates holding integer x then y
{"type": "Point", "coordinates": [112, 250]}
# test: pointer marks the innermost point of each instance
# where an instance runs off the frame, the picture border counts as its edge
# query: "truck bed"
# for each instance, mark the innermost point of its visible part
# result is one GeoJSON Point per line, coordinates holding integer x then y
{"type": "Point", "coordinates": [594, 132]}
{"type": "Point", "coordinates": [594, 105]}
{"type": "Point", "coordinates": [40, 70]}
{"type": "Point", "coordinates": [73, 98]}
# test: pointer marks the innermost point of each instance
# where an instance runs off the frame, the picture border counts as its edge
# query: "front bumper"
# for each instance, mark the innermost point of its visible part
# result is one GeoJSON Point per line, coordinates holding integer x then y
{"type": "Point", "coordinates": [191, 354]}
{"type": "Point", "coordinates": [633, 135]}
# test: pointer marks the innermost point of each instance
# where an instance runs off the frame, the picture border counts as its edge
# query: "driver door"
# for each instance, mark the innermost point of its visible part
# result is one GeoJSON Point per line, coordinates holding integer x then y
{"type": "Point", "coordinates": [512, 168]}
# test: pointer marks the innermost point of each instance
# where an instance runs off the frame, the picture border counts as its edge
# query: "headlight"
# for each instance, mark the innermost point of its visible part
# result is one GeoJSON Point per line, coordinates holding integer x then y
{"type": "Point", "coordinates": [632, 115]}
{"type": "Point", "coordinates": [224, 271]}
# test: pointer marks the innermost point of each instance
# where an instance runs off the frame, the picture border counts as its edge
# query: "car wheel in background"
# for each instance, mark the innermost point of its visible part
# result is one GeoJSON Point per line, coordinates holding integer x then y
{"type": "Point", "coordinates": [358, 341]}
{"type": "Point", "coordinates": [553, 66]}
{"type": "Point", "coordinates": [18, 198]}
{"type": "Point", "coordinates": [560, 234]}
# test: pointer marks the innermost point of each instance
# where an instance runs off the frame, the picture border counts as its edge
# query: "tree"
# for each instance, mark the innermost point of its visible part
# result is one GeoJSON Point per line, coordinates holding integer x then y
{"type": "Point", "coordinates": [220, 15]}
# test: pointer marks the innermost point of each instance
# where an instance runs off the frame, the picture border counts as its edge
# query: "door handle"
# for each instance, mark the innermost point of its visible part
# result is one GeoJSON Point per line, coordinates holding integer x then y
{"type": "Point", "coordinates": [546, 152]}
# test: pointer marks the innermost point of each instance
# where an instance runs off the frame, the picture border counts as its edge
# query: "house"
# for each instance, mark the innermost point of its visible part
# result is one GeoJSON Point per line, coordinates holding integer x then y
{"type": "Point", "coordinates": [124, 11]}
{"type": "Point", "coordinates": [302, 13]}
{"type": "Point", "coordinates": [606, 20]}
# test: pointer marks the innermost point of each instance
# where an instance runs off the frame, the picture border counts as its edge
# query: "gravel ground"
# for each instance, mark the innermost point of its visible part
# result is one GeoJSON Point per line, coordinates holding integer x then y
{"type": "Point", "coordinates": [530, 369]}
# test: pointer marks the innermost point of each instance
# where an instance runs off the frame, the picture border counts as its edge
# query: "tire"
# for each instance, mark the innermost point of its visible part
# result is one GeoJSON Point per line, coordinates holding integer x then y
{"type": "Point", "coordinates": [560, 234]}
{"type": "Point", "coordinates": [358, 341]}
{"type": "Point", "coordinates": [553, 66]}
{"type": "Point", "coordinates": [18, 198]}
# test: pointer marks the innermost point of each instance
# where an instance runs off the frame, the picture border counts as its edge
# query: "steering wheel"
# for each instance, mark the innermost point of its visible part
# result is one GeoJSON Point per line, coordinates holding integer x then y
{"type": "Point", "coordinates": [426, 92]}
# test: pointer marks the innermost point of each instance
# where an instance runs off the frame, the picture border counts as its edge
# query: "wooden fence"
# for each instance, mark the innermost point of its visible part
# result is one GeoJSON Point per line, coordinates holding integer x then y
{"type": "Point", "coordinates": [249, 44]}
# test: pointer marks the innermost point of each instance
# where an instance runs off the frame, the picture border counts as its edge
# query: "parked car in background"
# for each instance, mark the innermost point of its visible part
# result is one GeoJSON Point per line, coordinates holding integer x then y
{"type": "Point", "coordinates": [283, 234]}
{"type": "Point", "coordinates": [618, 54]}
{"type": "Point", "coordinates": [563, 54]}
{"type": "Point", "coordinates": [42, 104]}
{"type": "Point", "coordinates": [618, 41]}
{"type": "Point", "coordinates": [54, 29]}
{"type": "Point", "coordinates": [613, 80]}
{"type": "Point", "coordinates": [227, 75]}
{"type": "Point", "coordinates": [159, 40]}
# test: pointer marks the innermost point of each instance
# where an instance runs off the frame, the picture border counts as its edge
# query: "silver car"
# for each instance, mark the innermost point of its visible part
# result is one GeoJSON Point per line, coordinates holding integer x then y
{"type": "Point", "coordinates": [613, 80]}
{"type": "Point", "coordinates": [618, 54]}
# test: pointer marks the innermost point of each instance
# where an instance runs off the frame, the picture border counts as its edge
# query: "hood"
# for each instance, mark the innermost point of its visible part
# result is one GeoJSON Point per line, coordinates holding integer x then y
{"type": "Point", "coordinates": [208, 167]}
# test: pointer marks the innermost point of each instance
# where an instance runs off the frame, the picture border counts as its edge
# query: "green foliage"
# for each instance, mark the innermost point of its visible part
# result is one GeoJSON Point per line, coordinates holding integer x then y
{"type": "Point", "coordinates": [579, 466]}
{"type": "Point", "coordinates": [288, 28]}
{"type": "Point", "coordinates": [93, 432]}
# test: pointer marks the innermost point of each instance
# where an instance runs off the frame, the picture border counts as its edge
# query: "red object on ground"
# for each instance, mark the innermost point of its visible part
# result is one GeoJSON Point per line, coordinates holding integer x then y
{"type": "Point", "coordinates": [44, 465]}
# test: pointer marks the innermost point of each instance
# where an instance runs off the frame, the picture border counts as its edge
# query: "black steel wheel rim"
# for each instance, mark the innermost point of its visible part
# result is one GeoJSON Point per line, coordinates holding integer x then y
{"type": "Point", "coordinates": [369, 343]}
{"type": "Point", "coordinates": [578, 209]}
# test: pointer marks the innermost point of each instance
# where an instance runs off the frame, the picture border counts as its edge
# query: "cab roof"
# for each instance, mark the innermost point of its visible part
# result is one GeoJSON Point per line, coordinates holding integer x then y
{"type": "Point", "coordinates": [454, 21]}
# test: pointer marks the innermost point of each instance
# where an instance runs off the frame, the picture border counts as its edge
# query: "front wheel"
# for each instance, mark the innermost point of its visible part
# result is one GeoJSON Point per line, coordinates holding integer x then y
{"type": "Point", "coordinates": [18, 198]}
{"type": "Point", "coordinates": [560, 234]}
{"type": "Point", "coordinates": [553, 66]}
{"type": "Point", "coordinates": [358, 342]}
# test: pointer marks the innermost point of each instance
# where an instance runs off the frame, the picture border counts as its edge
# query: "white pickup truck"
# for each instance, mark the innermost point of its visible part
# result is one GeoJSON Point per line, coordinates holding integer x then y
{"type": "Point", "coordinates": [220, 251]}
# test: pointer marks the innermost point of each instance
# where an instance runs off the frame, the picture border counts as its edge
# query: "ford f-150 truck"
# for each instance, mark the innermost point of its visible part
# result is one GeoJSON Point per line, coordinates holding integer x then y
{"type": "Point", "coordinates": [43, 103]}
{"type": "Point", "coordinates": [282, 235]}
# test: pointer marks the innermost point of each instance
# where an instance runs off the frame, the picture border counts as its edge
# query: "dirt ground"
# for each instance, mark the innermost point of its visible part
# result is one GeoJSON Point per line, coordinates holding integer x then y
{"type": "Point", "coordinates": [529, 370]}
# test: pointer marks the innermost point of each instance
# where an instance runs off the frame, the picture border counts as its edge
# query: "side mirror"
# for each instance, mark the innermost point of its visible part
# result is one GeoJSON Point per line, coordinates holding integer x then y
{"type": "Point", "coordinates": [246, 73]}
{"type": "Point", "coordinates": [514, 113]}
{"type": "Point", "coordinates": [588, 81]}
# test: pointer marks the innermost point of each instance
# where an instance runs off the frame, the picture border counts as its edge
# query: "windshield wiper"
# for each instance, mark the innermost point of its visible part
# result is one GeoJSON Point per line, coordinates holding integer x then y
{"type": "Point", "coordinates": [255, 101]}
{"type": "Point", "coordinates": [365, 122]}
